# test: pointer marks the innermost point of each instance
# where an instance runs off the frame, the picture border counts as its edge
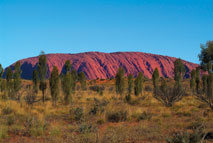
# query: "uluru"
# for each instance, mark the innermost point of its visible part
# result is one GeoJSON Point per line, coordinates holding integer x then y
{"type": "Point", "coordinates": [105, 65]}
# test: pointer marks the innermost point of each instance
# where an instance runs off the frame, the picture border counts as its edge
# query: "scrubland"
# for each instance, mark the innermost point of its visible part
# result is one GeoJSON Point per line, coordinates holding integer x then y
{"type": "Point", "coordinates": [101, 116]}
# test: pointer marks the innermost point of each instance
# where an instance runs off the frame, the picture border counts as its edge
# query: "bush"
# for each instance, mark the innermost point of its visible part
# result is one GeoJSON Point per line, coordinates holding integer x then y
{"type": "Point", "coordinates": [135, 102]}
{"type": "Point", "coordinates": [209, 136]}
{"type": "Point", "coordinates": [197, 135]}
{"type": "Point", "coordinates": [34, 126]}
{"type": "Point", "coordinates": [169, 95]}
{"type": "Point", "coordinates": [94, 110]}
{"type": "Point", "coordinates": [87, 128]}
{"type": "Point", "coordinates": [98, 107]}
{"type": "Point", "coordinates": [94, 88]}
{"type": "Point", "coordinates": [55, 131]}
{"type": "Point", "coordinates": [185, 137]}
{"type": "Point", "coordinates": [179, 138]}
{"type": "Point", "coordinates": [197, 125]}
{"type": "Point", "coordinates": [16, 130]}
{"type": "Point", "coordinates": [145, 116]}
{"type": "Point", "coordinates": [128, 98]}
{"type": "Point", "coordinates": [78, 113]}
{"type": "Point", "coordinates": [206, 97]}
{"type": "Point", "coordinates": [30, 98]}
{"type": "Point", "coordinates": [100, 121]}
{"type": "Point", "coordinates": [111, 89]}
{"type": "Point", "coordinates": [10, 120]}
{"type": "Point", "coordinates": [148, 88]}
{"type": "Point", "coordinates": [3, 133]}
{"type": "Point", "coordinates": [7, 110]}
{"type": "Point", "coordinates": [98, 89]}
{"type": "Point", "coordinates": [118, 116]}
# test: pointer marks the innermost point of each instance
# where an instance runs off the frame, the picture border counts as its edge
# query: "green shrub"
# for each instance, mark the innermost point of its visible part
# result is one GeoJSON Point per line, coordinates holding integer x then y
{"type": "Point", "coordinates": [117, 116]}
{"type": "Point", "coordinates": [10, 120]}
{"type": "Point", "coordinates": [145, 116]}
{"type": "Point", "coordinates": [179, 138]}
{"type": "Point", "coordinates": [77, 113]}
{"type": "Point", "coordinates": [134, 102]}
{"type": "Point", "coordinates": [7, 110]}
{"type": "Point", "coordinates": [87, 128]}
{"type": "Point", "coordinates": [197, 125]}
{"type": "Point", "coordinates": [111, 89]}
{"type": "Point", "coordinates": [196, 136]}
{"type": "Point", "coordinates": [148, 88]}
{"type": "Point", "coordinates": [184, 114]}
{"type": "Point", "coordinates": [128, 98]}
{"type": "Point", "coordinates": [16, 130]}
{"type": "Point", "coordinates": [94, 110]}
{"type": "Point", "coordinates": [55, 132]}
{"type": "Point", "coordinates": [168, 95]}
{"type": "Point", "coordinates": [34, 127]}
{"type": "Point", "coordinates": [98, 106]}
{"type": "Point", "coordinates": [97, 88]}
{"type": "Point", "coordinates": [3, 132]}
{"type": "Point", "coordinates": [166, 115]}
{"type": "Point", "coordinates": [100, 121]}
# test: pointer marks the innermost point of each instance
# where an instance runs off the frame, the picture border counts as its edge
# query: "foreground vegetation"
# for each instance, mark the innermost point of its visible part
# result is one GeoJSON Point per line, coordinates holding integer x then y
{"type": "Point", "coordinates": [68, 108]}
{"type": "Point", "coordinates": [92, 117]}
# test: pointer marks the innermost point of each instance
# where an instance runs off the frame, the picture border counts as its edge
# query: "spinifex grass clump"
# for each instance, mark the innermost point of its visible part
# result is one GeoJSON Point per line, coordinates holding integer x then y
{"type": "Point", "coordinates": [34, 126]}
{"type": "Point", "coordinates": [196, 135]}
{"type": "Point", "coordinates": [117, 116]}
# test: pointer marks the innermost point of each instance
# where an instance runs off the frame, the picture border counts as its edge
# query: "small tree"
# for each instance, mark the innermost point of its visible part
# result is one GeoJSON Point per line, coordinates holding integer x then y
{"type": "Point", "coordinates": [205, 83]}
{"type": "Point", "coordinates": [67, 66]}
{"type": "Point", "coordinates": [130, 84]}
{"type": "Point", "coordinates": [120, 81]}
{"type": "Point", "coordinates": [9, 82]}
{"type": "Point", "coordinates": [17, 78]}
{"type": "Point", "coordinates": [74, 76]}
{"type": "Point", "coordinates": [155, 79]}
{"type": "Point", "coordinates": [206, 56]}
{"type": "Point", "coordinates": [82, 79]}
{"type": "Point", "coordinates": [207, 97]}
{"type": "Point", "coordinates": [35, 81]}
{"type": "Point", "coordinates": [31, 96]}
{"type": "Point", "coordinates": [67, 82]}
{"type": "Point", "coordinates": [139, 84]}
{"type": "Point", "coordinates": [4, 89]}
{"type": "Point", "coordinates": [210, 87]}
{"type": "Point", "coordinates": [130, 87]}
{"type": "Point", "coordinates": [169, 94]}
{"type": "Point", "coordinates": [193, 80]}
{"type": "Point", "coordinates": [197, 80]}
{"type": "Point", "coordinates": [54, 84]}
{"type": "Point", "coordinates": [42, 68]}
{"type": "Point", "coordinates": [1, 74]}
{"type": "Point", "coordinates": [179, 71]}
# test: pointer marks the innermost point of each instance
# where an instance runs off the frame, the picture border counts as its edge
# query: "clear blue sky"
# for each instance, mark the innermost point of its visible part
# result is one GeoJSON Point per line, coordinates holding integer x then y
{"type": "Point", "coordinates": [167, 27]}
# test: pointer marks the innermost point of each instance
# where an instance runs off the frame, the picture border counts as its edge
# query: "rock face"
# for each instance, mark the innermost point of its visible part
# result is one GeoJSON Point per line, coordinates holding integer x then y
{"type": "Point", "coordinates": [105, 65]}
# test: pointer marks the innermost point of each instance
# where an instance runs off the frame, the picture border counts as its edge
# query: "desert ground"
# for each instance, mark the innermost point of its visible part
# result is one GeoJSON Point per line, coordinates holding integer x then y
{"type": "Point", "coordinates": [101, 116]}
